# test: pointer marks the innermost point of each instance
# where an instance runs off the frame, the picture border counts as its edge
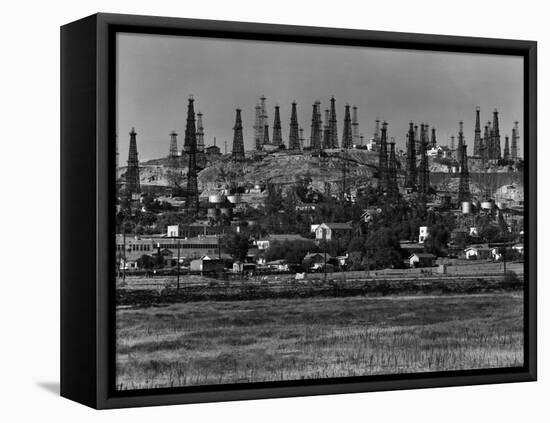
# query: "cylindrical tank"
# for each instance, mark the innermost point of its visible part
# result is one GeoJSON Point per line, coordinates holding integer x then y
{"type": "Point", "coordinates": [215, 198]}
{"type": "Point", "coordinates": [466, 207]}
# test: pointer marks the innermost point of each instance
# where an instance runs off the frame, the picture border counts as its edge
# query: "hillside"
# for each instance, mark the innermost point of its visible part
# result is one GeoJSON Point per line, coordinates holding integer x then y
{"type": "Point", "coordinates": [358, 166]}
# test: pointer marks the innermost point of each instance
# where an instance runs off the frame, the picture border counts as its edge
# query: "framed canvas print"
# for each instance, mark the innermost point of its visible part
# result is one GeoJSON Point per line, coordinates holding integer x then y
{"type": "Point", "coordinates": [254, 211]}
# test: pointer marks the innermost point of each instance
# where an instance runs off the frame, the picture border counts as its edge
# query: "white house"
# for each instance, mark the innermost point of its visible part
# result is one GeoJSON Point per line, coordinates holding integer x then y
{"type": "Point", "coordinates": [422, 234]}
{"type": "Point", "coordinates": [173, 231]}
{"type": "Point", "coordinates": [328, 231]}
{"type": "Point", "coordinates": [478, 252]}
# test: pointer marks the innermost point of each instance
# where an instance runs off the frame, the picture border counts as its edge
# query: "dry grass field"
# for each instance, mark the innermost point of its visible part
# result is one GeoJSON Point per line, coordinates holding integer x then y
{"type": "Point", "coordinates": [217, 342]}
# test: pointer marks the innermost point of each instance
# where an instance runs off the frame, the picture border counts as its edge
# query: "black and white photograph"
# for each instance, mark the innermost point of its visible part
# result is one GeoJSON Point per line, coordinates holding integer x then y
{"type": "Point", "coordinates": [289, 211]}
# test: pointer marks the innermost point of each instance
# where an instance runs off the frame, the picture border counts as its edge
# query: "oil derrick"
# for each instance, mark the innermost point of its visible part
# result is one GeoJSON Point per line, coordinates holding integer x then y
{"type": "Point", "coordinates": [506, 154]}
{"type": "Point", "coordinates": [383, 157]}
{"type": "Point", "coordinates": [460, 138]}
{"type": "Point", "coordinates": [266, 134]}
{"type": "Point", "coordinates": [486, 144]}
{"type": "Point", "coordinates": [333, 124]}
{"type": "Point", "coordinates": [326, 130]}
{"type": "Point", "coordinates": [173, 153]}
{"type": "Point", "coordinates": [434, 139]}
{"type": "Point", "coordinates": [277, 136]}
{"type": "Point", "coordinates": [416, 139]}
{"type": "Point", "coordinates": [238, 143]}
{"type": "Point", "coordinates": [514, 147]}
{"type": "Point", "coordinates": [355, 127]}
{"type": "Point", "coordinates": [132, 171]}
{"type": "Point", "coordinates": [315, 139]}
{"type": "Point", "coordinates": [302, 139]}
{"type": "Point", "coordinates": [410, 181]}
{"type": "Point", "coordinates": [423, 171]}
{"type": "Point", "coordinates": [477, 135]}
{"type": "Point", "coordinates": [263, 117]}
{"type": "Point", "coordinates": [393, 189]}
{"type": "Point", "coordinates": [294, 137]}
{"type": "Point", "coordinates": [376, 135]}
{"type": "Point", "coordinates": [201, 157]}
{"type": "Point", "coordinates": [464, 184]}
{"type": "Point", "coordinates": [452, 143]}
{"type": "Point", "coordinates": [496, 137]}
{"type": "Point", "coordinates": [347, 137]}
{"type": "Point", "coordinates": [258, 127]}
{"type": "Point", "coordinates": [191, 145]}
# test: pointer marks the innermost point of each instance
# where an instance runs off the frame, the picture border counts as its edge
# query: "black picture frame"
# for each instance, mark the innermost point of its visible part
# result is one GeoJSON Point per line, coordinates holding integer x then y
{"type": "Point", "coordinates": [87, 192]}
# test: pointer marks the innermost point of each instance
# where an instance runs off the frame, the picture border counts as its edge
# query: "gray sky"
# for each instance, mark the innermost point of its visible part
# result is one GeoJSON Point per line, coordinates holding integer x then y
{"type": "Point", "coordinates": [156, 74]}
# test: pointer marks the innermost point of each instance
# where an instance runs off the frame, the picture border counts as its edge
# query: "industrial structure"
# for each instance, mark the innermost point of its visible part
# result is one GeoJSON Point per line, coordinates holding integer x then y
{"type": "Point", "coordinates": [173, 152]}
{"type": "Point", "coordinates": [423, 170]}
{"type": "Point", "coordinates": [333, 124]}
{"type": "Point", "coordinates": [410, 181]}
{"type": "Point", "coordinates": [514, 146]}
{"type": "Point", "coordinates": [260, 123]}
{"type": "Point", "coordinates": [478, 146]}
{"type": "Point", "coordinates": [238, 142]}
{"type": "Point", "coordinates": [132, 171]}
{"type": "Point", "coordinates": [347, 136]}
{"type": "Point", "coordinates": [383, 156]}
{"type": "Point", "coordinates": [326, 130]}
{"type": "Point", "coordinates": [464, 183]}
{"type": "Point", "coordinates": [506, 153]}
{"type": "Point", "coordinates": [294, 137]}
{"type": "Point", "coordinates": [277, 134]}
{"type": "Point", "coordinates": [315, 139]}
{"type": "Point", "coordinates": [191, 147]}
{"type": "Point", "coordinates": [355, 127]}
{"type": "Point", "coordinates": [392, 187]}
{"type": "Point", "coordinates": [201, 156]}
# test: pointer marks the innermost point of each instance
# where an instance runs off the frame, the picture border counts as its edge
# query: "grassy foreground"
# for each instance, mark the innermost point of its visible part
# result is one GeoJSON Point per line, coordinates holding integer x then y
{"type": "Point", "coordinates": [214, 342]}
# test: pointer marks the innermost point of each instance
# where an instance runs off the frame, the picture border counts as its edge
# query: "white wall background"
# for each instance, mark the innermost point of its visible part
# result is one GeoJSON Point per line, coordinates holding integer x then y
{"type": "Point", "coordinates": [29, 171]}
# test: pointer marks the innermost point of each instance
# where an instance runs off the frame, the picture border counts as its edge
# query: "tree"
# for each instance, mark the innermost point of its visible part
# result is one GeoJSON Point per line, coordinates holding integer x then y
{"type": "Point", "coordinates": [274, 200]}
{"type": "Point", "coordinates": [235, 244]}
{"type": "Point", "coordinates": [146, 262]}
{"type": "Point", "coordinates": [291, 251]}
{"type": "Point", "coordinates": [438, 238]}
{"type": "Point", "coordinates": [490, 232]}
{"type": "Point", "coordinates": [383, 249]}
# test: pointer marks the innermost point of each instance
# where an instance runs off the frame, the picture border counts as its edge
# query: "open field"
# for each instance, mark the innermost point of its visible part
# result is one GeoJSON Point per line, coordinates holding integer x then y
{"type": "Point", "coordinates": [216, 342]}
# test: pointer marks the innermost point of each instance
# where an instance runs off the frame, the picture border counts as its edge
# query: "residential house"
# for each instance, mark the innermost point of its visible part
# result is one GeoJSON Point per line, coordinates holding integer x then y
{"type": "Point", "coordinates": [421, 260]}
{"type": "Point", "coordinates": [330, 231]}
{"type": "Point", "coordinates": [478, 252]}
